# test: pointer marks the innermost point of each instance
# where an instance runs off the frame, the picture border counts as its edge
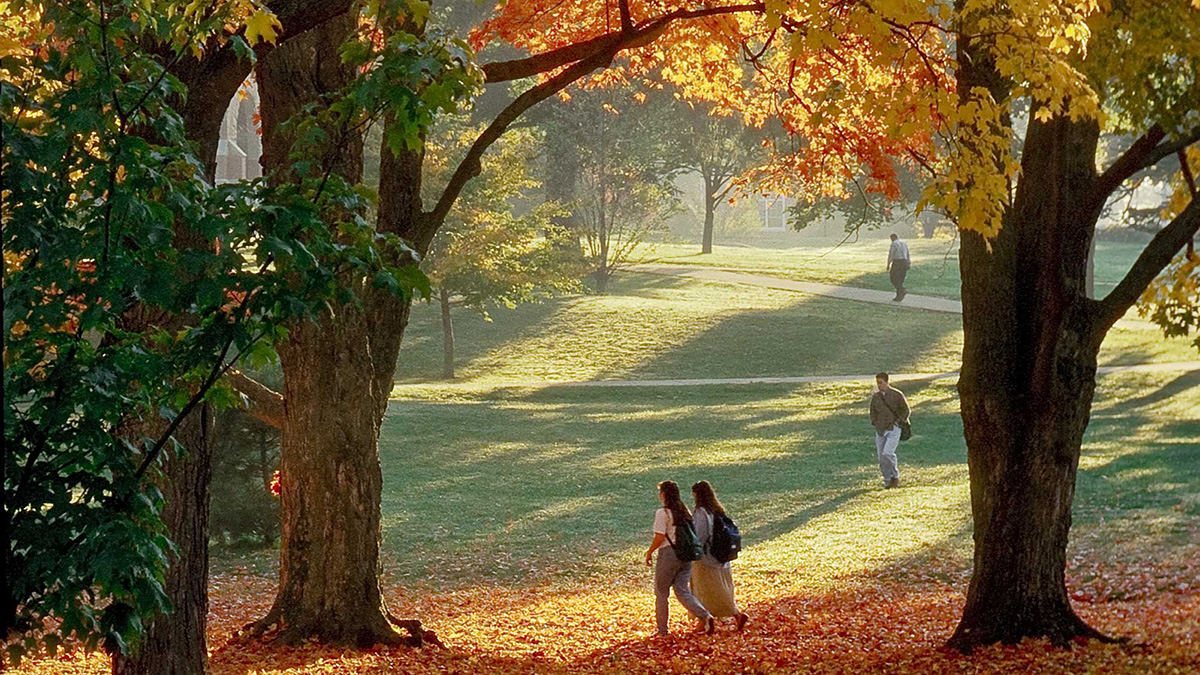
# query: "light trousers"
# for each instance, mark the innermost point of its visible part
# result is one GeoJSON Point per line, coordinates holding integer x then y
{"type": "Point", "coordinates": [671, 572]}
{"type": "Point", "coordinates": [885, 451]}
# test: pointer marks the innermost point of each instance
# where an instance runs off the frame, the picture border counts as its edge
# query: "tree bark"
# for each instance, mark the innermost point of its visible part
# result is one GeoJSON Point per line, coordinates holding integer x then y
{"type": "Point", "coordinates": [331, 486]}
{"type": "Point", "coordinates": [175, 642]}
{"type": "Point", "coordinates": [710, 208]}
{"type": "Point", "coordinates": [447, 335]}
{"type": "Point", "coordinates": [1031, 338]}
{"type": "Point", "coordinates": [329, 462]}
{"type": "Point", "coordinates": [338, 375]}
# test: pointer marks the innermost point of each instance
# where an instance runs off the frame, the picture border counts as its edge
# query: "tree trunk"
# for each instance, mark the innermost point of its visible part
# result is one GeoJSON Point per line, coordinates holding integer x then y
{"type": "Point", "coordinates": [331, 486]}
{"type": "Point", "coordinates": [337, 376]}
{"type": "Point", "coordinates": [929, 224]}
{"type": "Point", "coordinates": [447, 335]}
{"type": "Point", "coordinates": [175, 642]}
{"type": "Point", "coordinates": [1031, 338]}
{"type": "Point", "coordinates": [710, 209]}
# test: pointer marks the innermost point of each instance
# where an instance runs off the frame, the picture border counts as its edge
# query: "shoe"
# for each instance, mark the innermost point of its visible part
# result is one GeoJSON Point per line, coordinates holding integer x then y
{"type": "Point", "coordinates": [893, 483]}
{"type": "Point", "coordinates": [742, 619]}
{"type": "Point", "coordinates": [896, 299]}
{"type": "Point", "coordinates": [710, 626]}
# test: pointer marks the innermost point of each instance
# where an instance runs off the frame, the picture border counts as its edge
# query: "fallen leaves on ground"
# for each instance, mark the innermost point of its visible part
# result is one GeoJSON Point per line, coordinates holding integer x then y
{"type": "Point", "coordinates": [890, 622]}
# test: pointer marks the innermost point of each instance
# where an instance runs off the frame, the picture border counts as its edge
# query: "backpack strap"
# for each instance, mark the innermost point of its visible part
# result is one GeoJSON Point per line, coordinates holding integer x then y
{"type": "Point", "coordinates": [887, 405]}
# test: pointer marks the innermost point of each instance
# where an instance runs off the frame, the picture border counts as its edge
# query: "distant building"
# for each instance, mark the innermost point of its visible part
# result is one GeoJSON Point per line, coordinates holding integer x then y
{"type": "Point", "coordinates": [240, 147]}
{"type": "Point", "coordinates": [775, 212]}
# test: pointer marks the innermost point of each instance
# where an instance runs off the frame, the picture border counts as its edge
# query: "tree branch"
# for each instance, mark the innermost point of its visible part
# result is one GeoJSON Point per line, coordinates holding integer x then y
{"type": "Point", "coordinates": [1154, 258]}
{"type": "Point", "coordinates": [470, 166]}
{"type": "Point", "coordinates": [1143, 154]}
{"type": "Point", "coordinates": [516, 69]}
{"type": "Point", "coordinates": [645, 33]}
{"type": "Point", "coordinates": [262, 403]}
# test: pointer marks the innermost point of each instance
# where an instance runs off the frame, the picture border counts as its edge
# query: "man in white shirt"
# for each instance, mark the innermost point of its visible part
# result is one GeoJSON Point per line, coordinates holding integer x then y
{"type": "Point", "coordinates": [898, 264]}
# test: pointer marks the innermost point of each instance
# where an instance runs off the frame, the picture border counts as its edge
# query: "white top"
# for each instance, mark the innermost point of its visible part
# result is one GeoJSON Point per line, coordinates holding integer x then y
{"type": "Point", "coordinates": [899, 251]}
{"type": "Point", "coordinates": [663, 524]}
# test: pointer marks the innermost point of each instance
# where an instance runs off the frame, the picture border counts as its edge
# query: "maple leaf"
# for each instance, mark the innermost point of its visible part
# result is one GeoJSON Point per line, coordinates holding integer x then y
{"type": "Point", "coordinates": [262, 24]}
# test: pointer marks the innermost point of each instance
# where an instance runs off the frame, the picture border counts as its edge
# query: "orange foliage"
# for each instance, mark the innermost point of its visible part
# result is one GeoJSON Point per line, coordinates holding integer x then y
{"type": "Point", "coordinates": [849, 84]}
{"type": "Point", "coordinates": [894, 622]}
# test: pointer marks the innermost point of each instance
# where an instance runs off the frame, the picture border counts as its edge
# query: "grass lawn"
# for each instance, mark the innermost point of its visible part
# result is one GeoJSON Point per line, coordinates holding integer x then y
{"type": "Point", "coordinates": [550, 482]}
{"type": "Point", "coordinates": [515, 510]}
{"type": "Point", "coordinates": [934, 270]}
{"type": "Point", "coordinates": [556, 483]}
{"type": "Point", "coordinates": [652, 327]}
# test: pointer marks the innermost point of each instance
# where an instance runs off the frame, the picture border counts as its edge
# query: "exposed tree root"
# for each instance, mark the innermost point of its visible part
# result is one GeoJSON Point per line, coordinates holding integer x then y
{"type": "Point", "coordinates": [257, 629]}
{"type": "Point", "coordinates": [1064, 631]}
{"type": "Point", "coordinates": [273, 628]}
{"type": "Point", "coordinates": [418, 636]}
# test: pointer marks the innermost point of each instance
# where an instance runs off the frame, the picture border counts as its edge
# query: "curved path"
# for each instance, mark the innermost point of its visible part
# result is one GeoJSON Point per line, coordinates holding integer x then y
{"type": "Point", "coordinates": [728, 275]}
{"type": "Point", "coordinates": [731, 276]}
{"type": "Point", "coordinates": [1175, 366]}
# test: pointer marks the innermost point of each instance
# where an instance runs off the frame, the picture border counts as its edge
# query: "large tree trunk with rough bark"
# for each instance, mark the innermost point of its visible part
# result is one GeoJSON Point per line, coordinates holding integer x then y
{"type": "Point", "coordinates": [331, 486]}
{"type": "Point", "coordinates": [329, 465]}
{"type": "Point", "coordinates": [175, 642]}
{"type": "Point", "coordinates": [1031, 338]}
{"type": "Point", "coordinates": [337, 375]}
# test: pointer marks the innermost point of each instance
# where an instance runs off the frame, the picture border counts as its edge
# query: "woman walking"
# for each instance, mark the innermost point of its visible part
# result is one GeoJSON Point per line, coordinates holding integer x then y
{"type": "Point", "coordinates": [670, 571]}
{"type": "Point", "coordinates": [712, 580]}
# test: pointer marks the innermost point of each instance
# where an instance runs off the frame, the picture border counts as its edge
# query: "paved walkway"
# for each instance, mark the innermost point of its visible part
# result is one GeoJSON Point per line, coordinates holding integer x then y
{"type": "Point", "coordinates": [926, 302]}
{"type": "Point", "coordinates": [1176, 366]}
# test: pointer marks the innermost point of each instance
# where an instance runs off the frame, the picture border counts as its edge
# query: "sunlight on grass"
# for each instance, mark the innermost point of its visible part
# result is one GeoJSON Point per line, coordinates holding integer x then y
{"type": "Point", "coordinates": [562, 508]}
{"type": "Point", "coordinates": [666, 456]}
{"type": "Point", "coordinates": [864, 533]}
{"type": "Point", "coordinates": [658, 328]}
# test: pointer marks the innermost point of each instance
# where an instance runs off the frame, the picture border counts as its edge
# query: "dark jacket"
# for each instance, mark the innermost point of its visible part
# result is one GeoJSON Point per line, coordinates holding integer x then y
{"type": "Point", "coordinates": [882, 417]}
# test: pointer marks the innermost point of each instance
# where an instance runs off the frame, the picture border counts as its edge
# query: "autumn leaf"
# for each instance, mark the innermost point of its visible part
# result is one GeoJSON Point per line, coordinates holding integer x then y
{"type": "Point", "coordinates": [262, 24]}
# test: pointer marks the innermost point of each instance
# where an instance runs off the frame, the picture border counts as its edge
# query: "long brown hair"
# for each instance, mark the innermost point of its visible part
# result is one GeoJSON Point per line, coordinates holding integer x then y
{"type": "Point", "coordinates": [706, 498]}
{"type": "Point", "coordinates": [673, 502]}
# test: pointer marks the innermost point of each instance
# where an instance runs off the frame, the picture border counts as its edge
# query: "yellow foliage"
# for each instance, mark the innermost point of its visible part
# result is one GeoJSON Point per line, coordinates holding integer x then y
{"type": "Point", "coordinates": [261, 24]}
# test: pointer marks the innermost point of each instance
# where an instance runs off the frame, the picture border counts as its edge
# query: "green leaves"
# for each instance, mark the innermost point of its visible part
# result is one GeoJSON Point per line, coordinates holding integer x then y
{"type": "Point", "coordinates": [131, 283]}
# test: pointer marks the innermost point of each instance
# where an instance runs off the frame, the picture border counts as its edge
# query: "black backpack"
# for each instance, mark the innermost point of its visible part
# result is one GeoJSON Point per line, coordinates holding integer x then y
{"type": "Point", "coordinates": [687, 545]}
{"type": "Point", "coordinates": [726, 539]}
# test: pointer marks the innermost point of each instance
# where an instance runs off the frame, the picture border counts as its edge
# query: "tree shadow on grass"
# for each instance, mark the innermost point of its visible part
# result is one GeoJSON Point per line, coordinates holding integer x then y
{"type": "Point", "coordinates": [519, 485]}
{"type": "Point", "coordinates": [812, 335]}
{"type": "Point", "coordinates": [708, 337]}
{"type": "Point", "coordinates": [803, 516]}
{"type": "Point", "coordinates": [1176, 386]}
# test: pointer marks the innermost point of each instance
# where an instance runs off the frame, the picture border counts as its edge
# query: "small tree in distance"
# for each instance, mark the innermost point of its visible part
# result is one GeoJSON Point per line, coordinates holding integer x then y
{"type": "Point", "coordinates": [626, 188]}
{"type": "Point", "coordinates": [486, 254]}
{"type": "Point", "coordinates": [719, 148]}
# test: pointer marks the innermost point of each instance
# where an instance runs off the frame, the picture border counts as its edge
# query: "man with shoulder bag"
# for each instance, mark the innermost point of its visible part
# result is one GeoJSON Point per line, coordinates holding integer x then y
{"type": "Point", "coordinates": [889, 416]}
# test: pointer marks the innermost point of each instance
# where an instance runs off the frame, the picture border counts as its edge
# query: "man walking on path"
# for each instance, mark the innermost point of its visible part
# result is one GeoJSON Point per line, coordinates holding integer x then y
{"type": "Point", "coordinates": [898, 264]}
{"type": "Point", "coordinates": [889, 408]}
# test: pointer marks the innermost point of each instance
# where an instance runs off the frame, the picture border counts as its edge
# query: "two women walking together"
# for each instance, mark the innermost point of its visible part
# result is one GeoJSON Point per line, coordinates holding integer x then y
{"type": "Point", "coordinates": [707, 538]}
